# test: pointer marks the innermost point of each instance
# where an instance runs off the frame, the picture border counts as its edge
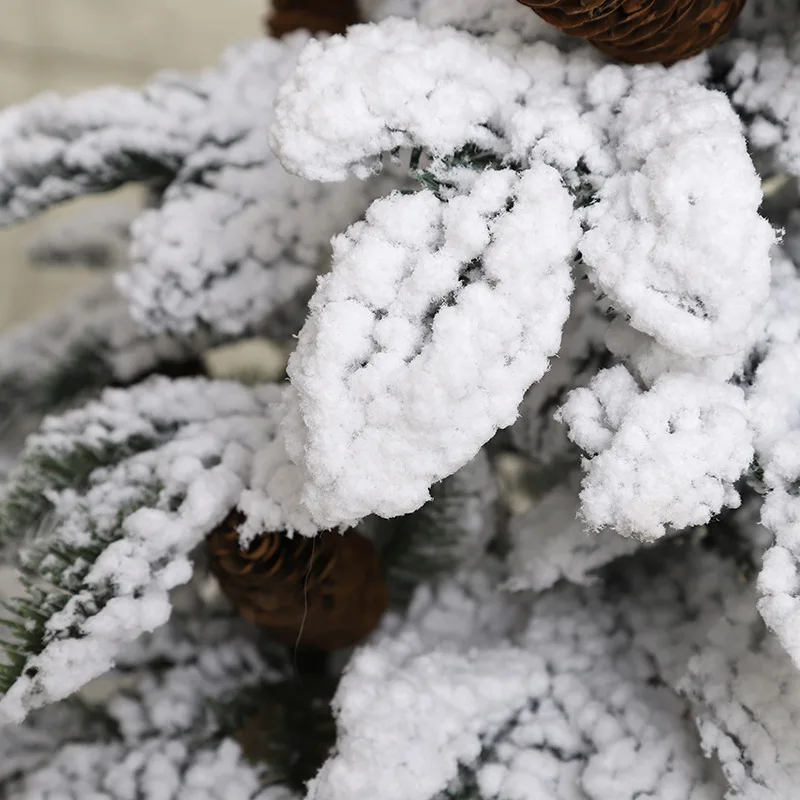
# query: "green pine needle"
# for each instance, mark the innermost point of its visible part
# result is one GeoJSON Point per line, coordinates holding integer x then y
{"type": "Point", "coordinates": [431, 542]}
{"type": "Point", "coordinates": [60, 569]}
{"type": "Point", "coordinates": [84, 369]}
{"type": "Point", "coordinates": [24, 505]}
{"type": "Point", "coordinates": [288, 727]}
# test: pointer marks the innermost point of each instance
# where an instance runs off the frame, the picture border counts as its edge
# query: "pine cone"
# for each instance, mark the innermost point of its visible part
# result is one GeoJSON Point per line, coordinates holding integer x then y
{"type": "Point", "coordinates": [324, 593]}
{"type": "Point", "coordinates": [643, 31]}
{"type": "Point", "coordinates": [315, 16]}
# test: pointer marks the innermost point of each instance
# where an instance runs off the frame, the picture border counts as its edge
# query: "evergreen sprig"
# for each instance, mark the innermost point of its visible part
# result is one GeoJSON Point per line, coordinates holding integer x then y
{"type": "Point", "coordinates": [285, 727]}
{"type": "Point", "coordinates": [65, 358]}
{"type": "Point", "coordinates": [24, 504]}
{"type": "Point", "coordinates": [449, 532]}
{"type": "Point", "coordinates": [55, 573]}
{"type": "Point", "coordinates": [439, 175]}
{"type": "Point", "coordinates": [83, 368]}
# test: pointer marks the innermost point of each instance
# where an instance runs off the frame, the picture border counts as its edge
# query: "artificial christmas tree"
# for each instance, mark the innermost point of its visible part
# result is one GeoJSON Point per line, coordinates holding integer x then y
{"type": "Point", "coordinates": [543, 311]}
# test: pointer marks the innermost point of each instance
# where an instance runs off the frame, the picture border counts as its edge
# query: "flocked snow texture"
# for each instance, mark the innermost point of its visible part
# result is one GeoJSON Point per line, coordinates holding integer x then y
{"type": "Point", "coordinates": [685, 258]}
{"type": "Point", "coordinates": [230, 217]}
{"type": "Point", "coordinates": [147, 513]}
{"type": "Point", "coordinates": [667, 456]}
{"type": "Point", "coordinates": [555, 700]}
{"type": "Point", "coordinates": [421, 361]}
{"type": "Point", "coordinates": [472, 228]}
{"type": "Point", "coordinates": [135, 745]}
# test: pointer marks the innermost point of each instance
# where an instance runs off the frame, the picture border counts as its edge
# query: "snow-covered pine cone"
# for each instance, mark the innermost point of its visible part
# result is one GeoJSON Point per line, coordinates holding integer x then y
{"type": "Point", "coordinates": [315, 16]}
{"type": "Point", "coordinates": [324, 593]}
{"type": "Point", "coordinates": [643, 31]}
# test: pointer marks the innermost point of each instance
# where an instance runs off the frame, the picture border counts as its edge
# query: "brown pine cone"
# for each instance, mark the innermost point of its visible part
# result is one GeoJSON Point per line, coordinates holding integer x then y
{"type": "Point", "coordinates": [324, 593]}
{"type": "Point", "coordinates": [315, 16]}
{"type": "Point", "coordinates": [643, 31]}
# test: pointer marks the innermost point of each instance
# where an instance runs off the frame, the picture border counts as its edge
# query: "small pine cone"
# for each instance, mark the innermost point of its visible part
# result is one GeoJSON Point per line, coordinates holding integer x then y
{"type": "Point", "coordinates": [643, 31]}
{"type": "Point", "coordinates": [315, 16]}
{"type": "Point", "coordinates": [324, 593]}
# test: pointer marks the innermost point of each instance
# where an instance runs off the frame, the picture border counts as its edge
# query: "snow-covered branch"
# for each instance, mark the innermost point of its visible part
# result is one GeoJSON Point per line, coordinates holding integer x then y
{"type": "Point", "coordinates": [675, 239]}
{"type": "Point", "coordinates": [146, 770]}
{"type": "Point", "coordinates": [572, 698]}
{"type": "Point", "coordinates": [54, 148]}
{"type": "Point", "coordinates": [684, 258]}
{"type": "Point", "coordinates": [428, 71]}
{"type": "Point", "coordinates": [747, 691]}
{"type": "Point", "coordinates": [669, 456]}
{"type": "Point", "coordinates": [79, 348]}
{"type": "Point", "coordinates": [26, 748]}
{"type": "Point", "coordinates": [696, 616]}
{"type": "Point", "coordinates": [420, 344]}
{"type": "Point", "coordinates": [236, 243]}
{"type": "Point", "coordinates": [158, 735]}
{"type": "Point", "coordinates": [771, 378]}
{"type": "Point", "coordinates": [117, 542]}
{"type": "Point", "coordinates": [763, 82]}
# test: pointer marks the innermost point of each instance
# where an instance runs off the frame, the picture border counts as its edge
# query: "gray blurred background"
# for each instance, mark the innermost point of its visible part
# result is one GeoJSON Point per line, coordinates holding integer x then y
{"type": "Point", "coordinates": [69, 45]}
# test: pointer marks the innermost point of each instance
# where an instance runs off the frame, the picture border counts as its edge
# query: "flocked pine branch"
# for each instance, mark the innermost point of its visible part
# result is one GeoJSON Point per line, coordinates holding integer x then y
{"type": "Point", "coordinates": [659, 209]}
{"type": "Point", "coordinates": [233, 217]}
{"type": "Point", "coordinates": [26, 748]}
{"type": "Point", "coordinates": [59, 358]}
{"type": "Point", "coordinates": [67, 449]}
{"type": "Point", "coordinates": [54, 149]}
{"type": "Point", "coordinates": [162, 733]}
{"type": "Point", "coordinates": [146, 769]}
{"type": "Point", "coordinates": [605, 128]}
{"type": "Point", "coordinates": [431, 115]}
{"type": "Point", "coordinates": [200, 691]}
{"type": "Point", "coordinates": [180, 690]}
{"type": "Point", "coordinates": [667, 635]}
{"type": "Point", "coordinates": [696, 616]}
{"type": "Point", "coordinates": [749, 723]}
{"type": "Point", "coordinates": [762, 81]}
{"type": "Point", "coordinates": [229, 217]}
{"type": "Point", "coordinates": [670, 456]}
{"type": "Point", "coordinates": [450, 532]}
{"type": "Point", "coordinates": [457, 325]}
{"type": "Point", "coordinates": [574, 702]}
{"type": "Point", "coordinates": [172, 457]}
{"type": "Point", "coordinates": [774, 362]}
